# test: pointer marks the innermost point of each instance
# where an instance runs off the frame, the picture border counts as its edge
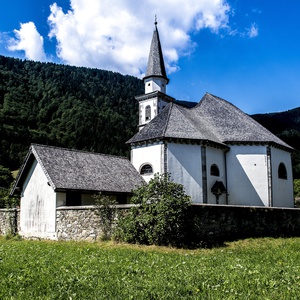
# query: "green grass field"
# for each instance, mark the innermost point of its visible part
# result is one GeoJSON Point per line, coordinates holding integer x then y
{"type": "Point", "coordinates": [249, 269]}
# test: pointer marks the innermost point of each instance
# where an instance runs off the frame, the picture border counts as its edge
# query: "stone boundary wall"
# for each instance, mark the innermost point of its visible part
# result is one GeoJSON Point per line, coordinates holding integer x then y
{"type": "Point", "coordinates": [213, 222]}
{"type": "Point", "coordinates": [79, 223]}
{"type": "Point", "coordinates": [9, 221]}
{"type": "Point", "coordinates": [225, 222]}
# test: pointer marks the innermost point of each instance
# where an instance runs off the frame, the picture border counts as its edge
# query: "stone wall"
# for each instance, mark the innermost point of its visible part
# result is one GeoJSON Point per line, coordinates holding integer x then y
{"type": "Point", "coordinates": [213, 222]}
{"type": "Point", "coordinates": [9, 221]}
{"type": "Point", "coordinates": [77, 223]}
{"type": "Point", "coordinates": [225, 222]}
{"type": "Point", "coordinates": [80, 222]}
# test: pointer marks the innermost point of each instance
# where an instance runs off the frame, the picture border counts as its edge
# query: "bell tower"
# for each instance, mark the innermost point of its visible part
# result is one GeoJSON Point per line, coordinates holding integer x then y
{"type": "Point", "coordinates": [155, 80]}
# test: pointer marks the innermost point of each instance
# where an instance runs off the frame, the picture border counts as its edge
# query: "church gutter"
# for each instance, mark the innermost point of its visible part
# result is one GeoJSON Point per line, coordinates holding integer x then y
{"type": "Point", "coordinates": [269, 174]}
{"type": "Point", "coordinates": [204, 174]}
{"type": "Point", "coordinates": [225, 161]}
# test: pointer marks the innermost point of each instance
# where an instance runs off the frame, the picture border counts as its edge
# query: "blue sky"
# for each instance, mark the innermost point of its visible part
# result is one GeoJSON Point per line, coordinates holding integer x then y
{"type": "Point", "coordinates": [247, 52]}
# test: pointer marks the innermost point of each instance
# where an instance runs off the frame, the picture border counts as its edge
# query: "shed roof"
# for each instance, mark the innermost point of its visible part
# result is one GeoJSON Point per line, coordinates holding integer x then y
{"type": "Point", "coordinates": [213, 119]}
{"type": "Point", "coordinates": [68, 169]}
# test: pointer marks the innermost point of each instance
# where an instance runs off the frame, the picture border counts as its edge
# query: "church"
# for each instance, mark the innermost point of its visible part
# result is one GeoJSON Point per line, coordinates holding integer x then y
{"type": "Point", "coordinates": [216, 151]}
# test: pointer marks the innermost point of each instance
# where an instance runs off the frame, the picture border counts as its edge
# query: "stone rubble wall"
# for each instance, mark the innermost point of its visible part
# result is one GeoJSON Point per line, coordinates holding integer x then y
{"type": "Point", "coordinates": [213, 222]}
{"type": "Point", "coordinates": [77, 223]}
{"type": "Point", "coordinates": [225, 222]}
{"type": "Point", "coordinates": [9, 221]}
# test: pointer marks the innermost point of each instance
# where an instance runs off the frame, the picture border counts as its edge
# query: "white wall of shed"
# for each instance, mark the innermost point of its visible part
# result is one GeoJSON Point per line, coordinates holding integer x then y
{"type": "Point", "coordinates": [215, 156]}
{"type": "Point", "coordinates": [247, 175]}
{"type": "Point", "coordinates": [185, 166]}
{"type": "Point", "coordinates": [38, 205]}
{"type": "Point", "coordinates": [148, 154]}
{"type": "Point", "coordinates": [282, 189]}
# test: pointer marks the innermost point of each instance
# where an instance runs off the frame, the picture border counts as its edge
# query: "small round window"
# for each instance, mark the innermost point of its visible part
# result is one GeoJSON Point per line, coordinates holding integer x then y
{"type": "Point", "coordinates": [282, 171]}
{"type": "Point", "coordinates": [146, 170]}
{"type": "Point", "coordinates": [214, 170]}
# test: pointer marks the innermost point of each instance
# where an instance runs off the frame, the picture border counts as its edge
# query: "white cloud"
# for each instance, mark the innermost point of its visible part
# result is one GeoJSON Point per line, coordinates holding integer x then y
{"type": "Point", "coordinates": [29, 40]}
{"type": "Point", "coordinates": [116, 34]}
{"type": "Point", "coordinates": [253, 31]}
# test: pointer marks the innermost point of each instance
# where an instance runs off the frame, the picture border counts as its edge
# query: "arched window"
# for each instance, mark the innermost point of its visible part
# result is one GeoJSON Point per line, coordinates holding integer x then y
{"type": "Point", "coordinates": [148, 112]}
{"type": "Point", "coordinates": [214, 170]}
{"type": "Point", "coordinates": [146, 170]}
{"type": "Point", "coordinates": [282, 171]}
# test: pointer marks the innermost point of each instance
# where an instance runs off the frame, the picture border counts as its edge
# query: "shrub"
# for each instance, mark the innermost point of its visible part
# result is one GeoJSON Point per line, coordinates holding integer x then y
{"type": "Point", "coordinates": [105, 208]}
{"type": "Point", "coordinates": [160, 216]}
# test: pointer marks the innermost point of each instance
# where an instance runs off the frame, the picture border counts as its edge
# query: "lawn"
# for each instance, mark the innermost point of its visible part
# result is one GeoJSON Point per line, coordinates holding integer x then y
{"type": "Point", "coordinates": [249, 269]}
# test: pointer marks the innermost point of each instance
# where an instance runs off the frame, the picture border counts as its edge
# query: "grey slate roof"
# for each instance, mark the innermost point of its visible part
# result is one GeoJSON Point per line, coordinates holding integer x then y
{"type": "Point", "coordinates": [80, 170]}
{"type": "Point", "coordinates": [156, 65]}
{"type": "Point", "coordinates": [213, 119]}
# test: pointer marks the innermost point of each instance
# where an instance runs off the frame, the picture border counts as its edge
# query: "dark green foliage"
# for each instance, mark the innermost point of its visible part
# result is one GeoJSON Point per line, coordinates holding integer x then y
{"type": "Point", "coordinates": [297, 188]}
{"type": "Point", "coordinates": [105, 208]}
{"type": "Point", "coordinates": [81, 108]}
{"type": "Point", "coordinates": [297, 192]}
{"type": "Point", "coordinates": [160, 216]}
{"type": "Point", "coordinates": [6, 180]}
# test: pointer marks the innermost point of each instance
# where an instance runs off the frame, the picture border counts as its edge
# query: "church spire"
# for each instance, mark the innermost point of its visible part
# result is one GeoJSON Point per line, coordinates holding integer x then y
{"type": "Point", "coordinates": [156, 77]}
{"type": "Point", "coordinates": [155, 98]}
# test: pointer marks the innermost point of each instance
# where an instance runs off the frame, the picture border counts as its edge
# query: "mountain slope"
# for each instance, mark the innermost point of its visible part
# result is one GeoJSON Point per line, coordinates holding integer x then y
{"type": "Point", "coordinates": [66, 106]}
{"type": "Point", "coordinates": [86, 109]}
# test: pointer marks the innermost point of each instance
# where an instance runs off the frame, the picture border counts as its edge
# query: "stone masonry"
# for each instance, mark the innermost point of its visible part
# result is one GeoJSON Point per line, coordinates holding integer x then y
{"type": "Point", "coordinates": [77, 223]}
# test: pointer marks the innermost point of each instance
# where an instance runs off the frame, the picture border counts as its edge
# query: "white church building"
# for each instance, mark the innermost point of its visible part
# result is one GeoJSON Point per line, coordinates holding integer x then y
{"type": "Point", "coordinates": [219, 153]}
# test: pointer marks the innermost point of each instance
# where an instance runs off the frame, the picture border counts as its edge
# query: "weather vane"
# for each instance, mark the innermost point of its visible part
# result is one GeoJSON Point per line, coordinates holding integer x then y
{"type": "Point", "coordinates": [155, 23]}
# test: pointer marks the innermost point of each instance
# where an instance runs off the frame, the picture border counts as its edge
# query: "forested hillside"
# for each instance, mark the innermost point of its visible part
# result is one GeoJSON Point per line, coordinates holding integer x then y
{"type": "Point", "coordinates": [84, 108]}
{"type": "Point", "coordinates": [66, 106]}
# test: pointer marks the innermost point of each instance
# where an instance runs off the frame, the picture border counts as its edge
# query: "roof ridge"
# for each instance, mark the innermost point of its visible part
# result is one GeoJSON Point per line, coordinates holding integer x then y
{"type": "Point", "coordinates": [187, 115]}
{"type": "Point", "coordinates": [79, 151]}
{"type": "Point", "coordinates": [171, 104]}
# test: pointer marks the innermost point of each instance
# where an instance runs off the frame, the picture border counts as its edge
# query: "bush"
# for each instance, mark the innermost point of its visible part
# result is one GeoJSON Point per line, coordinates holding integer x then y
{"type": "Point", "coordinates": [297, 188]}
{"type": "Point", "coordinates": [160, 216]}
{"type": "Point", "coordinates": [105, 208]}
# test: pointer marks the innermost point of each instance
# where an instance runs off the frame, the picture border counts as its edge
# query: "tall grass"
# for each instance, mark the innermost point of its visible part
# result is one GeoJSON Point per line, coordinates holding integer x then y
{"type": "Point", "coordinates": [249, 269]}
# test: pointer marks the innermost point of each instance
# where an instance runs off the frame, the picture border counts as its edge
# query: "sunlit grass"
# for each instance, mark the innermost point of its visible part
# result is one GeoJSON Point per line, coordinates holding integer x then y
{"type": "Point", "coordinates": [249, 269]}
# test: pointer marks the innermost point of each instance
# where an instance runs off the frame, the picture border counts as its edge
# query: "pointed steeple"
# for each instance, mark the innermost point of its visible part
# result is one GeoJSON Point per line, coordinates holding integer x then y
{"type": "Point", "coordinates": [156, 71]}
{"type": "Point", "coordinates": [155, 98]}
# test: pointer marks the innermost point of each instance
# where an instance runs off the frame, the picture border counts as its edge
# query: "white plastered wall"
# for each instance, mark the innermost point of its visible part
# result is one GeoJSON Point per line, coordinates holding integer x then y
{"type": "Point", "coordinates": [156, 106]}
{"type": "Point", "coordinates": [148, 154]}
{"type": "Point", "coordinates": [155, 84]}
{"type": "Point", "coordinates": [184, 165]}
{"type": "Point", "coordinates": [215, 156]}
{"type": "Point", "coordinates": [247, 175]}
{"type": "Point", "coordinates": [282, 189]}
{"type": "Point", "coordinates": [38, 205]}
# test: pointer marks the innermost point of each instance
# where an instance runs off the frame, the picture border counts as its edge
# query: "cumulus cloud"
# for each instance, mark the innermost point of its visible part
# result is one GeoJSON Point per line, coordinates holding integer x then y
{"type": "Point", "coordinates": [253, 31]}
{"type": "Point", "coordinates": [116, 34]}
{"type": "Point", "coordinates": [28, 40]}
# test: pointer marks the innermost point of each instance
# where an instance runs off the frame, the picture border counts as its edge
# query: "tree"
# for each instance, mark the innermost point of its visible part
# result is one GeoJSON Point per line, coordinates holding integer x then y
{"type": "Point", "coordinates": [160, 216]}
{"type": "Point", "coordinates": [6, 180]}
